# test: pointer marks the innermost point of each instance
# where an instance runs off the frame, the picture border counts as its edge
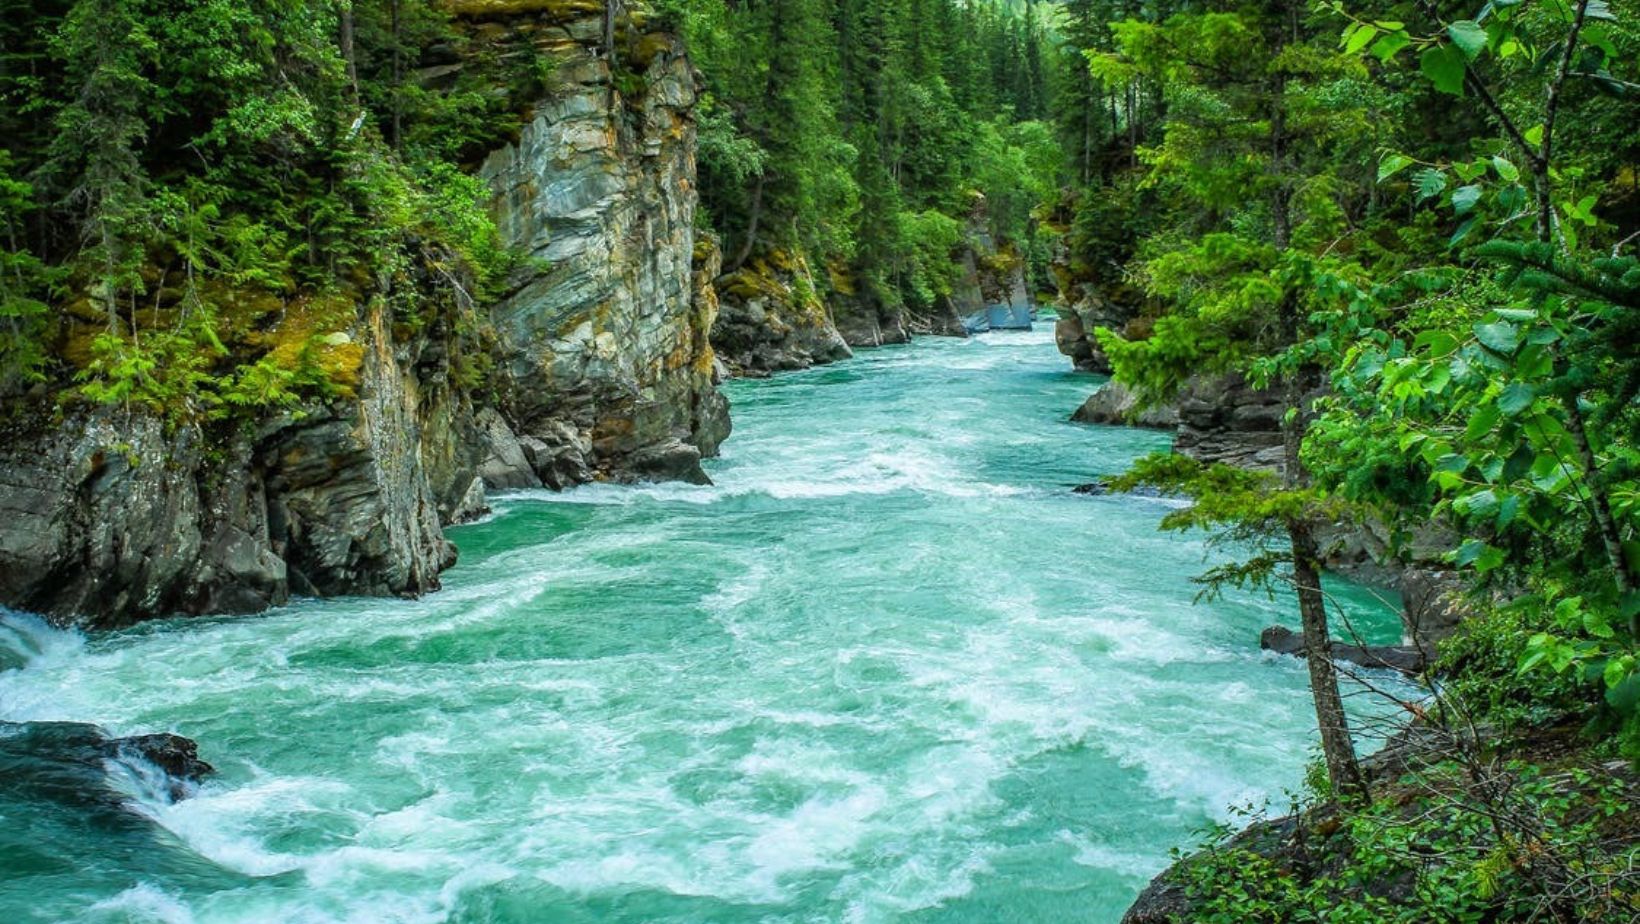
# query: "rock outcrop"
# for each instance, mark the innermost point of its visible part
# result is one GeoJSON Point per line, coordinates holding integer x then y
{"type": "Point", "coordinates": [1083, 310]}
{"type": "Point", "coordinates": [771, 318]}
{"type": "Point", "coordinates": [1223, 419]}
{"type": "Point", "coordinates": [608, 359]}
{"type": "Point", "coordinates": [598, 364]}
{"type": "Point", "coordinates": [1114, 404]}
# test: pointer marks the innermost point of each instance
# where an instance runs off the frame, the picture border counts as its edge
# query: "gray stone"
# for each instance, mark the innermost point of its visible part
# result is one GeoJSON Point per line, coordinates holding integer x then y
{"type": "Point", "coordinates": [1114, 404]}
{"type": "Point", "coordinates": [505, 467]}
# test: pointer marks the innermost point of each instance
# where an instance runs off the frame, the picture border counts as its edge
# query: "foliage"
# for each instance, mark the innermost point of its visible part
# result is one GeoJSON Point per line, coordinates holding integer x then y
{"type": "Point", "coordinates": [856, 132]}
{"type": "Point", "coordinates": [165, 159]}
{"type": "Point", "coordinates": [1531, 842]}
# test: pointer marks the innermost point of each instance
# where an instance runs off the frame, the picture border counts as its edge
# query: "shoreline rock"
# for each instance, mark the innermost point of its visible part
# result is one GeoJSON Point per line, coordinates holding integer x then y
{"type": "Point", "coordinates": [1407, 659]}
{"type": "Point", "coordinates": [1115, 405]}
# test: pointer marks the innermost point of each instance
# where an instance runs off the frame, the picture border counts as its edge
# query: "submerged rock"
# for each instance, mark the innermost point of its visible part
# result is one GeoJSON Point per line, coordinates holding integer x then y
{"type": "Point", "coordinates": [71, 761]}
{"type": "Point", "coordinates": [77, 805]}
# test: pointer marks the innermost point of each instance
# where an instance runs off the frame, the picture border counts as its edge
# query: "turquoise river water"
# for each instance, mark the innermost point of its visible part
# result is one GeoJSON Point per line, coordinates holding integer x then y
{"type": "Point", "coordinates": [888, 668]}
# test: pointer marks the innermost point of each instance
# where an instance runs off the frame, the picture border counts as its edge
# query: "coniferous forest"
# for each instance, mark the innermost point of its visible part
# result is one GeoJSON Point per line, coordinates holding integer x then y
{"type": "Point", "coordinates": [290, 287]}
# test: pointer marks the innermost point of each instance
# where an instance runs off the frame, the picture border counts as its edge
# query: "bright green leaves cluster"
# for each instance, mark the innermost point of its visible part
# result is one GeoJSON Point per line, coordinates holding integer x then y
{"type": "Point", "coordinates": [1225, 291]}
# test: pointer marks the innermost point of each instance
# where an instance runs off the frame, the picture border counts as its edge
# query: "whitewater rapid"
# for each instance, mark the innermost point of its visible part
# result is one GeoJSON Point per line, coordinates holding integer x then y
{"type": "Point", "coordinates": [887, 668]}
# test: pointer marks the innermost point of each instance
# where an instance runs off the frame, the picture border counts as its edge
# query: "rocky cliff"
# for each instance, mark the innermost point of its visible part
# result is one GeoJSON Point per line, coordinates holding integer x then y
{"type": "Point", "coordinates": [780, 313]}
{"type": "Point", "coordinates": [772, 317]}
{"type": "Point", "coordinates": [608, 362]}
{"type": "Point", "coordinates": [598, 366]}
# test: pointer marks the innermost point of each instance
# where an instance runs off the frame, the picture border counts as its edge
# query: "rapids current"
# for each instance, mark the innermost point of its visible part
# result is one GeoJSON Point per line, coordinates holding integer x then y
{"type": "Point", "coordinates": [888, 668]}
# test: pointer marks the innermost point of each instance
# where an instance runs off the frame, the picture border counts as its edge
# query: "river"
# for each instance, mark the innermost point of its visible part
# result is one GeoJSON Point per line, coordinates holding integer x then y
{"type": "Point", "coordinates": [888, 668]}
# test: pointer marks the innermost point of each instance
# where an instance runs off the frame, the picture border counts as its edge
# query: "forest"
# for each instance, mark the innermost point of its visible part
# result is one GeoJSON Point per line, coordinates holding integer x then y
{"type": "Point", "coordinates": [1416, 222]}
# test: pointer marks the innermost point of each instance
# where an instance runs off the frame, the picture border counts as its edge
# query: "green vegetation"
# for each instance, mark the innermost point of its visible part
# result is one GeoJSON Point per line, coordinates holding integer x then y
{"type": "Point", "coordinates": [865, 134]}
{"type": "Point", "coordinates": [1417, 220]}
{"type": "Point", "coordinates": [180, 179]}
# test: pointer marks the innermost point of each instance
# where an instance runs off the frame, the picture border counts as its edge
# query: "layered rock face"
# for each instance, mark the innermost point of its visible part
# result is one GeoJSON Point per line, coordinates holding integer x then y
{"type": "Point", "coordinates": [603, 369]}
{"type": "Point", "coordinates": [1082, 311]}
{"type": "Point", "coordinates": [1223, 419]}
{"type": "Point", "coordinates": [609, 364]}
{"type": "Point", "coordinates": [113, 517]}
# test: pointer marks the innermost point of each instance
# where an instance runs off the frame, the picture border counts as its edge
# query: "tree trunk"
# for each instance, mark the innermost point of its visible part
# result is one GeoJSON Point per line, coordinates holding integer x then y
{"type": "Point", "coordinates": [345, 39]}
{"type": "Point", "coordinates": [1601, 507]}
{"type": "Point", "coordinates": [398, 77]}
{"type": "Point", "coordinates": [746, 246]}
{"type": "Point", "coordinates": [1337, 747]}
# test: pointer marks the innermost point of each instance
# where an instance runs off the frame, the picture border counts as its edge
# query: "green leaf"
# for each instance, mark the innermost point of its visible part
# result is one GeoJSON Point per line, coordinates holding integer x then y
{"type": "Point", "coordinates": [1499, 337]}
{"type": "Point", "coordinates": [1516, 399]}
{"type": "Point", "coordinates": [1462, 232]}
{"type": "Point", "coordinates": [1534, 135]}
{"type": "Point", "coordinates": [1626, 695]}
{"type": "Point", "coordinates": [1507, 170]}
{"type": "Point", "coordinates": [1430, 183]}
{"type": "Point", "coordinates": [1465, 197]}
{"type": "Point", "coordinates": [1469, 37]}
{"type": "Point", "coordinates": [1482, 503]}
{"type": "Point", "coordinates": [1481, 422]}
{"type": "Point", "coordinates": [1387, 46]}
{"type": "Point", "coordinates": [1391, 165]}
{"type": "Point", "coordinates": [1439, 343]}
{"type": "Point", "coordinates": [1444, 66]}
{"type": "Point", "coordinates": [1359, 39]}
{"type": "Point", "coordinates": [1616, 670]}
{"type": "Point", "coordinates": [1594, 623]}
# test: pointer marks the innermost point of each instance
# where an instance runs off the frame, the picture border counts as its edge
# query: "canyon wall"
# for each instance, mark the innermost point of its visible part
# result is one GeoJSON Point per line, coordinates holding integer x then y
{"type": "Point", "coordinates": [599, 367]}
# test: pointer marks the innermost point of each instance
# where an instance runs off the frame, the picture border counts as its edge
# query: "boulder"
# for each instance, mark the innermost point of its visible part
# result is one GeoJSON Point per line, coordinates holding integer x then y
{"type": "Point", "coordinates": [1114, 404]}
